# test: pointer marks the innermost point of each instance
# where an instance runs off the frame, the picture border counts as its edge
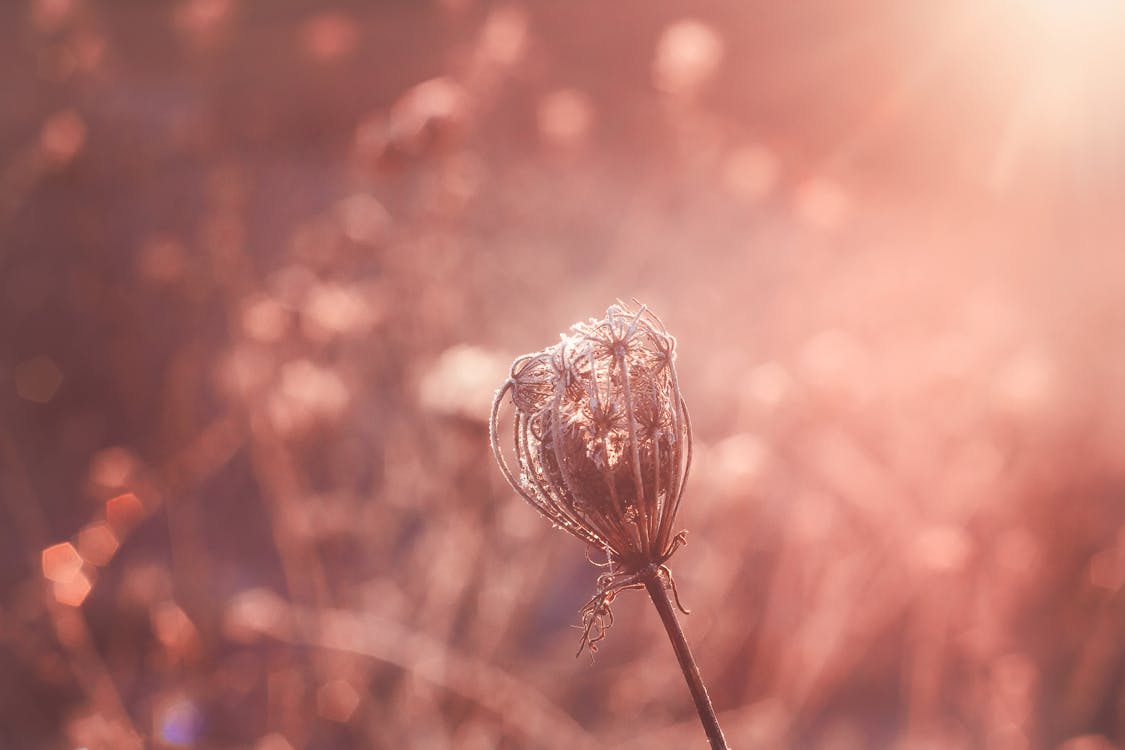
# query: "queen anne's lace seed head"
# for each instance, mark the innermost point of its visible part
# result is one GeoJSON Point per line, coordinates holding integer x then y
{"type": "Point", "coordinates": [601, 435]}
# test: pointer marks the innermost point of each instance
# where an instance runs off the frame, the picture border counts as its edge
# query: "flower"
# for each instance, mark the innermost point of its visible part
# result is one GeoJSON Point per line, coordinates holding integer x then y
{"type": "Point", "coordinates": [602, 442]}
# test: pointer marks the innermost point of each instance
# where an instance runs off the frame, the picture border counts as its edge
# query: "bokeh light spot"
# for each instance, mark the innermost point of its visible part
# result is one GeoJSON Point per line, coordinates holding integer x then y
{"type": "Point", "coordinates": [264, 319]}
{"type": "Point", "coordinates": [428, 118]}
{"type": "Point", "coordinates": [337, 700]}
{"type": "Point", "coordinates": [113, 467]}
{"type": "Point", "coordinates": [329, 36]}
{"type": "Point", "coordinates": [97, 543]}
{"type": "Point", "coordinates": [687, 56]}
{"type": "Point", "coordinates": [942, 548]}
{"type": "Point", "coordinates": [201, 19]}
{"type": "Point", "coordinates": [161, 259]}
{"type": "Point", "coordinates": [767, 384]}
{"type": "Point", "coordinates": [124, 512]}
{"type": "Point", "coordinates": [61, 562]}
{"type": "Point", "coordinates": [307, 392]}
{"type": "Point", "coordinates": [335, 309]}
{"type": "Point", "coordinates": [48, 15]}
{"type": "Point", "coordinates": [179, 722]}
{"type": "Point", "coordinates": [565, 117]}
{"type": "Point", "coordinates": [73, 591]}
{"type": "Point", "coordinates": [737, 461]}
{"type": "Point", "coordinates": [504, 37]}
{"type": "Point", "coordinates": [62, 137]}
{"type": "Point", "coordinates": [254, 612]}
{"type": "Point", "coordinates": [273, 741]}
{"type": "Point", "coordinates": [174, 629]}
{"type": "Point", "coordinates": [462, 381]}
{"type": "Point", "coordinates": [1088, 742]}
{"type": "Point", "coordinates": [37, 379]}
{"type": "Point", "coordinates": [363, 218]}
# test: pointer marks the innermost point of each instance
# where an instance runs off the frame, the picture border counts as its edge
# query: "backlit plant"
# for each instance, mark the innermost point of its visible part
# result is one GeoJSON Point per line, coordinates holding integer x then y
{"type": "Point", "coordinates": [602, 442]}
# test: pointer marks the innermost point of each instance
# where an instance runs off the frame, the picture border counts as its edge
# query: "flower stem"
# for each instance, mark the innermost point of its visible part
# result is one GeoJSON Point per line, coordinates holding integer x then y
{"type": "Point", "coordinates": [655, 586]}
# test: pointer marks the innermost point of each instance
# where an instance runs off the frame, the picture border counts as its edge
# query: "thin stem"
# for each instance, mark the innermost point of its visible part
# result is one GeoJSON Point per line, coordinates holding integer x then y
{"type": "Point", "coordinates": [656, 590]}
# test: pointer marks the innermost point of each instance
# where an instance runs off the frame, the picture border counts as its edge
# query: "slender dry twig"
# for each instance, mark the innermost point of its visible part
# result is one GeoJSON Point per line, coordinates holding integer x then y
{"type": "Point", "coordinates": [602, 442]}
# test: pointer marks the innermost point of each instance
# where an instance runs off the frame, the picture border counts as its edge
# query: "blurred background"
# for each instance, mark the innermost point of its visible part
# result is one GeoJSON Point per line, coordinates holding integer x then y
{"type": "Point", "coordinates": [263, 265]}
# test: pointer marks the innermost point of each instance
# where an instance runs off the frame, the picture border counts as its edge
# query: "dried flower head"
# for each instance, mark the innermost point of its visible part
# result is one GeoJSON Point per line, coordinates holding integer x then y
{"type": "Point", "coordinates": [603, 446]}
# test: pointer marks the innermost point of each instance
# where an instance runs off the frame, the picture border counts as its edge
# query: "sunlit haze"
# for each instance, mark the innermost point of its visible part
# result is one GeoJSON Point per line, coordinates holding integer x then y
{"type": "Point", "coordinates": [264, 265]}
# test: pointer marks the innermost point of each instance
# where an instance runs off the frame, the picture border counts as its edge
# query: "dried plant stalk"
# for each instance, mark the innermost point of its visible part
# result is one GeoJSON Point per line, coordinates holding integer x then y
{"type": "Point", "coordinates": [602, 442]}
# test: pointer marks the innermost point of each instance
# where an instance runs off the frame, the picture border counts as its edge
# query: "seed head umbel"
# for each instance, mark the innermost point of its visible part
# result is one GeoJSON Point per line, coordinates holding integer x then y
{"type": "Point", "coordinates": [602, 445]}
